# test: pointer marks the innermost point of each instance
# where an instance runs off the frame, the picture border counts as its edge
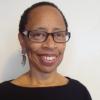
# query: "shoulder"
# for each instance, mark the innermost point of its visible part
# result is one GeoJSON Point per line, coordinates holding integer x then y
{"type": "Point", "coordinates": [76, 84]}
{"type": "Point", "coordinates": [77, 87]}
{"type": "Point", "coordinates": [4, 87]}
{"type": "Point", "coordinates": [4, 84]}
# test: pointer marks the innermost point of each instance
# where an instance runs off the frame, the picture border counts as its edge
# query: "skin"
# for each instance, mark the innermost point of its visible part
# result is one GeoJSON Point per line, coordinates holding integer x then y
{"type": "Point", "coordinates": [39, 74]}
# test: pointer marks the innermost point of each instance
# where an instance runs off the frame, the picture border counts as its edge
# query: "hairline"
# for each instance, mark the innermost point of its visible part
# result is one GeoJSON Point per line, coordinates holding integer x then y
{"type": "Point", "coordinates": [33, 7]}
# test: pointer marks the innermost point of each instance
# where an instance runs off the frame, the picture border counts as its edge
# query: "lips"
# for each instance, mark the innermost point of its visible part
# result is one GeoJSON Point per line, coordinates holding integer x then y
{"type": "Point", "coordinates": [47, 59]}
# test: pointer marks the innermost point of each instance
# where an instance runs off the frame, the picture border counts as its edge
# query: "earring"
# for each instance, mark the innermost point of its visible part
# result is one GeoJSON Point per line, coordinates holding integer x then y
{"type": "Point", "coordinates": [23, 57]}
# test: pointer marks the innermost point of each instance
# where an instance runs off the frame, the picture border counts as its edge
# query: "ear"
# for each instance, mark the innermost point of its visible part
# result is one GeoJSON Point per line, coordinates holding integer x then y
{"type": "Point", "coordinates": [21, 40]}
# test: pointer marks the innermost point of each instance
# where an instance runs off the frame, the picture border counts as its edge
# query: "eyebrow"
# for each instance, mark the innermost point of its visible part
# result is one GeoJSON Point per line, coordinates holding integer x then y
{"type": "Point", "coordinates": [45, 29]}
{"type": "Point", "coordinates": [40, 28]}
{"type": "Point", "coordinates": [57, 29]}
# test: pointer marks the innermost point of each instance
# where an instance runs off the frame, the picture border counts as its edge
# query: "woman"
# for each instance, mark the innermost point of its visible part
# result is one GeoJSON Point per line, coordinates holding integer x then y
{"type": "Point", "coordinates": [43, 33]}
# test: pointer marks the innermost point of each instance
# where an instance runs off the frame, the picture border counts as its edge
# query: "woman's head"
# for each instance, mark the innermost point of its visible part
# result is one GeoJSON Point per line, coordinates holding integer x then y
{"type": "Point", "coordinates": [25, 15]}
{"type": "Point", "coordinates": [45, 52]}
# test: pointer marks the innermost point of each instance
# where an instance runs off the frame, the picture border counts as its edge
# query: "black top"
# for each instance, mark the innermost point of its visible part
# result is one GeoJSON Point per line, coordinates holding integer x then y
{"type": "Point", "coordinates": [74, 90]}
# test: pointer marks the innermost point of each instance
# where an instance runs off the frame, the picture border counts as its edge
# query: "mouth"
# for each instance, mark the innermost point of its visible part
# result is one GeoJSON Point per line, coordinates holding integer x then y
{"type": "Point", "coordinates": [48, 60]}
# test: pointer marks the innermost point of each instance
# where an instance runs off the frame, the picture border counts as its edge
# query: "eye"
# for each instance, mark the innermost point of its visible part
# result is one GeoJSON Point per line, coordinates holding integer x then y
{"type": "Point", "coordinates": [37, 35]}
{"type": "Point", "coordinates": [59, 34]}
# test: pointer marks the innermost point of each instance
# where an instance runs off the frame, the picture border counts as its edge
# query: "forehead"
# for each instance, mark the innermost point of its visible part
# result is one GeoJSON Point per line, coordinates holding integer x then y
{"type": "Point", "coordinates": [44, 8]}
{"type": "Point", "coordinates": [45, 15]}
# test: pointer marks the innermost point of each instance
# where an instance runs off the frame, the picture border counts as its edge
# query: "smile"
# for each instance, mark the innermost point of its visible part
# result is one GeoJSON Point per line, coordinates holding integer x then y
{"type": "Point", "coordinates": [48, 60]}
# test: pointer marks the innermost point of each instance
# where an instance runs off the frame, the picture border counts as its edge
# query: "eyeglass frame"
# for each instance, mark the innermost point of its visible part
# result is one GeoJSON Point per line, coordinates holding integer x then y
{"type": "Point", "coordinates": [27, 32]}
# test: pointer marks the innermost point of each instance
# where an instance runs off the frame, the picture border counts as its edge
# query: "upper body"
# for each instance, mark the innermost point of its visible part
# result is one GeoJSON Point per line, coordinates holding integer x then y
{"type": "Point", "coordinates": [43, 35]}
{"type": "Point", "coordinates": [74, 90]}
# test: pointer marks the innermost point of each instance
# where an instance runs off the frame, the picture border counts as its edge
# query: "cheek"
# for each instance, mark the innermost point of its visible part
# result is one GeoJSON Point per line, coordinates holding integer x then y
{"type": "Point", "coordinates": [32, 49]}
{"type": "Point", "coordinates": [62, 48]}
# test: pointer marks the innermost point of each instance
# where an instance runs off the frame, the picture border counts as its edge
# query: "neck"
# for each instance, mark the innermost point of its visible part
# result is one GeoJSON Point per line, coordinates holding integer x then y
{"type": "Point", "coordinates": [41, 78]}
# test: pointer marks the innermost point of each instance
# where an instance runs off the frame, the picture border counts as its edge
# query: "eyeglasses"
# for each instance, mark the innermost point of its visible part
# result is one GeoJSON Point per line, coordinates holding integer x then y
{"type": "Point", "coordinates": [42, 36]}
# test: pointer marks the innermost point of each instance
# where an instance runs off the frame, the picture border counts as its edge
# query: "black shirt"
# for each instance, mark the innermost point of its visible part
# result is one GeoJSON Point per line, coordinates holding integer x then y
{"type": "Point", "coordinates": [74, 90]}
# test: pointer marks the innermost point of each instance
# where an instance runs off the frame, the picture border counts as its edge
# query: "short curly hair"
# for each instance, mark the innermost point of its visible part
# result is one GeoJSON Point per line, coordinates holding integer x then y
{"type": "Point", "coordinates": [24, 17]}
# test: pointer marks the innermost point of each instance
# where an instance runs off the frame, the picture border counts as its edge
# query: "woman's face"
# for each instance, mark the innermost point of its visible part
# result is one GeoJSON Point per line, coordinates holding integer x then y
{"type": "Point", "coordinates": [44, 56]}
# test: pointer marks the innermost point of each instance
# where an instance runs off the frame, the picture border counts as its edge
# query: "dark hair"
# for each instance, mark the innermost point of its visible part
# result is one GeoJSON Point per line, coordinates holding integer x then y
{"type": "Point", "coordinates": [24, 17]}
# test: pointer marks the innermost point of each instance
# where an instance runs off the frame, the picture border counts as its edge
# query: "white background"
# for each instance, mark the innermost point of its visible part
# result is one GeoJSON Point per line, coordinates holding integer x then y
{"type": "Point", "coordinates": [82, 55]}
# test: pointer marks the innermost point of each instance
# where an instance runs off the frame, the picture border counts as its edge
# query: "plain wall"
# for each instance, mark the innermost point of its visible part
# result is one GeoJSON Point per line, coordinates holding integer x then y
{"type": "Point", "coordinates": [82, 55]}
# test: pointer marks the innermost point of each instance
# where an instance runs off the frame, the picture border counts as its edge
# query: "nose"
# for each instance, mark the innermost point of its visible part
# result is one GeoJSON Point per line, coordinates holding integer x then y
{"type": "Point", "coordinates": [49, 43]}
